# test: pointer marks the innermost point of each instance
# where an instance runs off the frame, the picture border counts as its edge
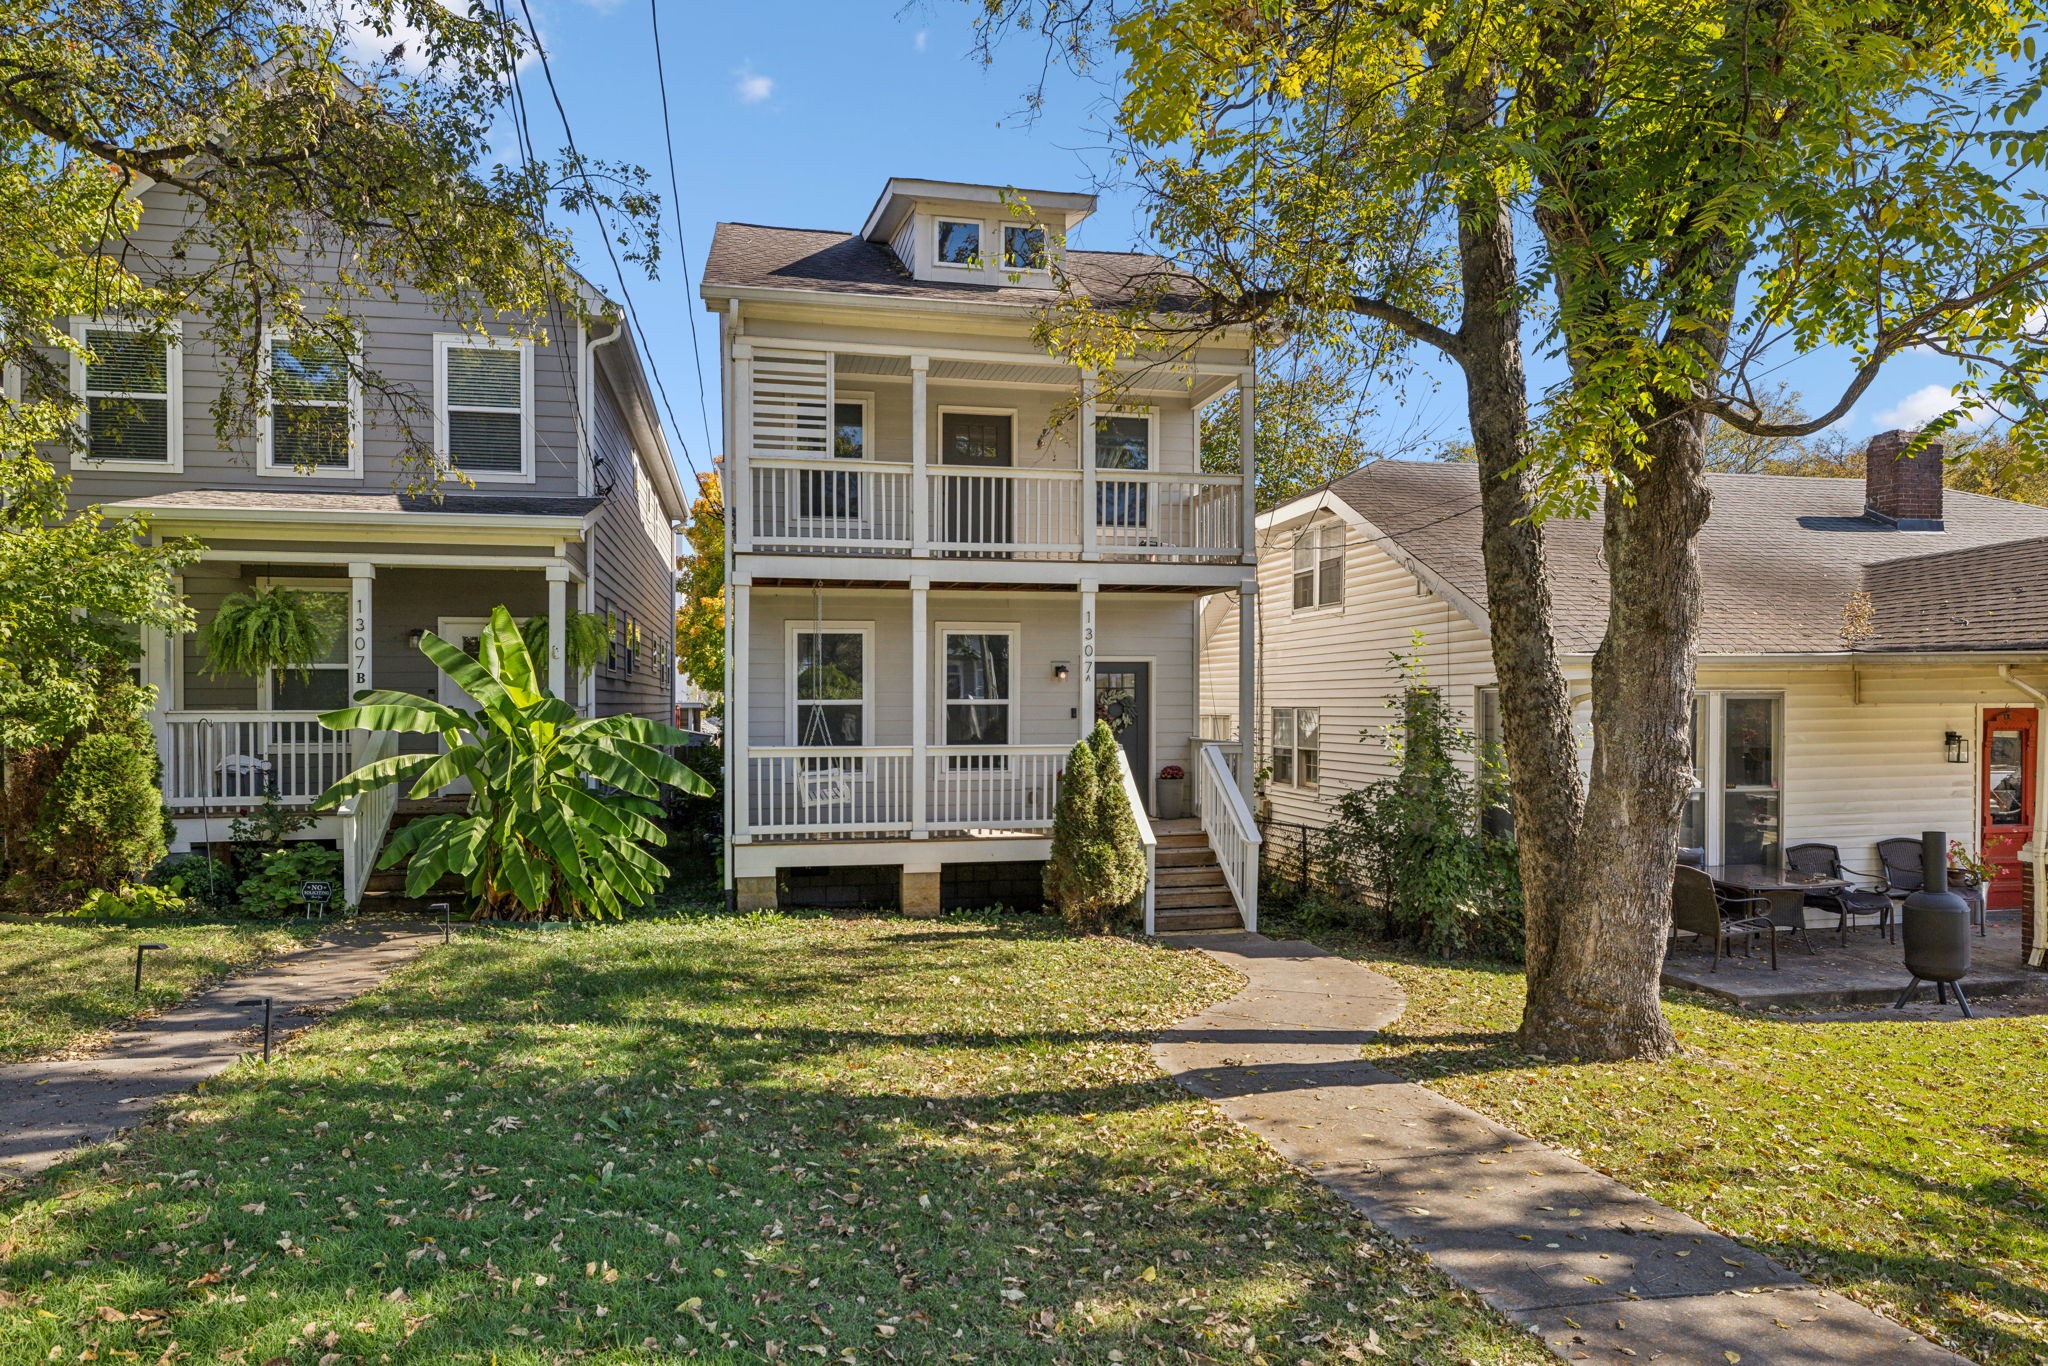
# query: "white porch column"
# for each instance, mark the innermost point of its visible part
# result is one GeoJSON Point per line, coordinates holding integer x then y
{"type": "Point", "coordinates": [739, 501]}
{"type": "Point", "coordinates": [1086, 443]}
{"type": "Point", "coordinates": [586, 686]}
{"type": "Point", "coordinates": [362, 577]}
{"type": "Point", "coordinates": [920, 707]}
{"type": "Point", "coordinates": [738, 738]}
{"type": "Point", "coordinates": [558, 630]}
{"type": "Point", "coordinates": [1088, 586]}
{"type": "Point", "coordinates": [920, 460]}
{"type": "Point", "coordinates": [1247, 680]}
{"type": "Point", "coordinates": [1248, 462]}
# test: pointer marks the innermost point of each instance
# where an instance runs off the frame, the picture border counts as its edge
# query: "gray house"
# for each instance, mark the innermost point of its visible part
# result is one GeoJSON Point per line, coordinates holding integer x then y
{"type": "Point", "coordinates": [573, 507]}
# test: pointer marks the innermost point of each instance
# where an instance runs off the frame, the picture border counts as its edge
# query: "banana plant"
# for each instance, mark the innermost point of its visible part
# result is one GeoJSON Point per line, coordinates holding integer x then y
{"type": "Point", "coordinates": [535, 843]}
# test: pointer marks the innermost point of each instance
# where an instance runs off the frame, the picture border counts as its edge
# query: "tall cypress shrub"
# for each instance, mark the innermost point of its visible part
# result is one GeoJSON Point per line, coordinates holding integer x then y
{"type": "Point", "coordinates": [1116, 822]}
{"type": "Point", "coordinates": [1097, 864]}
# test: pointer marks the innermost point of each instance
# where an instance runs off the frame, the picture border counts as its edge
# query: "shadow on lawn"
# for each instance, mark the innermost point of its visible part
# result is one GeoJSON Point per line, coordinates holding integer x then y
{"type": "Point", "coordinates": [670, 1111]}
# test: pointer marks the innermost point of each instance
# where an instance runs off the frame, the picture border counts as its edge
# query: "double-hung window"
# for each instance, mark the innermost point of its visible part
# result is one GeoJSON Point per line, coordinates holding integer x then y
{"type": "Point", "coordinates": [1319, 565]}
{"type": "Point", "coordinates": [1297, 746]}
{"type": "Point", "coordinates": [1734, 809]}
{"type": "Point", "coordinates": [1496, 818]}
{"type": "Point", "coordinates": [323, 685]}
{"type": "Point", "coordinates": [129, 381]}
{"type": "Point", "coordinates": [1123, 441]}
{"type": "Point", "coordinates": [484, 409]}
{"type": "Point", "coordinates": [829, 692]}
{"type": "Point", "coordinates": [313, 422]}
{"type": "Point", "coordinates": [978, 701]}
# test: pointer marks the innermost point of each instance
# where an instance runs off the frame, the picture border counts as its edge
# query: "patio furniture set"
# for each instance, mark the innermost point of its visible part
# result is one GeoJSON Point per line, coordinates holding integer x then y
{"type": "Point", "coordinates": [1727, 904]}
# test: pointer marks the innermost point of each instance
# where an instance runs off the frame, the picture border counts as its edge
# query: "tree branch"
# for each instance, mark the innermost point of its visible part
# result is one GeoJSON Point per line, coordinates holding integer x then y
{"type": "Point", "coordinates": [1414, 324]}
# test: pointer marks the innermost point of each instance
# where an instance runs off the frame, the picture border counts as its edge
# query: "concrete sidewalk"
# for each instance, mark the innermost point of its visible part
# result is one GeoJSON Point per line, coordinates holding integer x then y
{"type": "Point", "coordinates": [47, 1109]}
{"type": "Point", "coordinates": [1598, 1271]}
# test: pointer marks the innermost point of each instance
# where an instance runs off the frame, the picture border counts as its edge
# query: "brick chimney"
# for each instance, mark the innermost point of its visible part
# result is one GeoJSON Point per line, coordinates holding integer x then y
{"type": "Point", "coordinates": [1902, 490]}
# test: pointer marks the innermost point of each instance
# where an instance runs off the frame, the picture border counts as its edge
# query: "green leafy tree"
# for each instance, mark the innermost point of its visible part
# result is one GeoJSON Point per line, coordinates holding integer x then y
{"type": "Point", "coordinates": [97, 818]}
{"type": "Point", "coordinates": [700, 616]}
{"type": "Point", "coordinates": [1667, 196]}
{"type": "Point", "coordinates": [1305, 432]}
{"type": "Point", "coordinates": [535, 843]}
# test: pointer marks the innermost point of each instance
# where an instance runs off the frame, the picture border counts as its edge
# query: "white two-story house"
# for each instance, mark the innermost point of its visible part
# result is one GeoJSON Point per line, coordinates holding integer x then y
{"type": "Point", "coordinates": [949, 554]}
{"type": "Point", "coordinates": [567, 500]}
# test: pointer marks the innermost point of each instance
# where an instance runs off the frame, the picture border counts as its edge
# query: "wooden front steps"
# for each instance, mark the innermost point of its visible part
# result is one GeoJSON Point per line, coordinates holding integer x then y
{"type": "Point", "coordinates": [1191, 894]}
{"type": "Point", "coordinates": [384, 894]}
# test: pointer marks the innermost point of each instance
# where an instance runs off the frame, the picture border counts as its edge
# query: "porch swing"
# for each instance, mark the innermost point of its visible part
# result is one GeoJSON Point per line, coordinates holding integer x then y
{"type": "Point", "coordinates": [828, 789]}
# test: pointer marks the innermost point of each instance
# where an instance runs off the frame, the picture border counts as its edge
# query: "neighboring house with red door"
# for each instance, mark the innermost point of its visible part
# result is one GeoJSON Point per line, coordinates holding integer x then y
{"type": "Point", "coordinates": [1873, 654]}
{"type": "Point", "coordinates": [949, 552]}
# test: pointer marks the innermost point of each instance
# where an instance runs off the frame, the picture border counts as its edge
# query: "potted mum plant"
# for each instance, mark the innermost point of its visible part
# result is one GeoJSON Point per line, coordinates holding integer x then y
{"type": "Point", "coordinates": [1173, 792]}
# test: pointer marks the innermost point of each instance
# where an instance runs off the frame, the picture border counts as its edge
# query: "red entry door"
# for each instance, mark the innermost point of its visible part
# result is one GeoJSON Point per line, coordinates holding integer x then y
{"type": "Point", "coordinates": [2008, 798]}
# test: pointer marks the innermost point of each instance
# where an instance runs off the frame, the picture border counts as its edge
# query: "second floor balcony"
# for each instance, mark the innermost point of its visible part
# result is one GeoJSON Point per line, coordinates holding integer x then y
{"type": "Point", "coordinates": [963, 458]}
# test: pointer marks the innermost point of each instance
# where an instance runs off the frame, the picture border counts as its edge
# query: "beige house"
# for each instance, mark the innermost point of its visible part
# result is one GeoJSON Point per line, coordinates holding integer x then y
{"type": "Point", "coordinates": [948, 556]}
{"type": "Point", "coordinates": [571, 502]}
{"type": "Point", "coordinates": [1873, 655]}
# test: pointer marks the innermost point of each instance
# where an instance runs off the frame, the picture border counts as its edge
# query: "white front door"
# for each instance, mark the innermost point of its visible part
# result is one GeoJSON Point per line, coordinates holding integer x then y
{"type": "Point", "coordinates": [465, 634]}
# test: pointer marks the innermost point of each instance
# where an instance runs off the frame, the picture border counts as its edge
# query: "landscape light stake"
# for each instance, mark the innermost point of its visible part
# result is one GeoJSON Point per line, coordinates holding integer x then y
{"type": "Point", "coordinates": [140, 949]}
{"type": "Point", "coordinates": [263, 1001]}
{"type": "Point", "coordinates": [442, 907]}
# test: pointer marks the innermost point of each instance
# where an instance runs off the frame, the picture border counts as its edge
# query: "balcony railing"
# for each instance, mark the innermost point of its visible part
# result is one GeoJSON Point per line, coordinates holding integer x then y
{"type": "Point", "coordinates": [978, 512]}
{"type": "Point", "coordinates": [232, 759]}
{"type": "Point", "coordinates": [802, 790]}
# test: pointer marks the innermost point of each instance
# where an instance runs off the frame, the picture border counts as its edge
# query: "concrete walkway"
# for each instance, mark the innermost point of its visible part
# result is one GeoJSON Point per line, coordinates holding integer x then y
{"type": "Point", "coordinates": [47, 1109]}
{"type": "Point", "coordinates": [1596, 1270]}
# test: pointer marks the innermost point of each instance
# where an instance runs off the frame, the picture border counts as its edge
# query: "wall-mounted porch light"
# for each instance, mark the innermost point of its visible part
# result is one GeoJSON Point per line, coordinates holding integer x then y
{"type": "Point", "coordinates": [1059, 672]}
{"type": "Point", "coordinates": [415, 637]}
{"type": "Point", "coordinates": [1958, 747]}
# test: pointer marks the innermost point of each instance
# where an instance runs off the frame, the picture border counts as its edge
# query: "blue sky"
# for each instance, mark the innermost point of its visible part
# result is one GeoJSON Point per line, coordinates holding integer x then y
{"type": "Point", "coordinates": [794, 112]}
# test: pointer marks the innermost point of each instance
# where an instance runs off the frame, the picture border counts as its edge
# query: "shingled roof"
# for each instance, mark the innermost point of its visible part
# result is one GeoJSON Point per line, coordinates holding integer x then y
{"type": "Point", "coordinates": [750, 256]}
{"type": "Point", "coordinates": [291, 500]}
{"type": "Point", "coordinates": [1780, 558]}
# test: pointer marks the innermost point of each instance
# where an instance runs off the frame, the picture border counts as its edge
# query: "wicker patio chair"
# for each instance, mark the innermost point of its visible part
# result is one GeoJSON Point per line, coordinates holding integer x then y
{"type": "Point", "coordinates": [1904, 875]}
{"type": "Point", "coordinates": [1824, 860]}
{"type": "Point", "coordinates": [1696, 908]}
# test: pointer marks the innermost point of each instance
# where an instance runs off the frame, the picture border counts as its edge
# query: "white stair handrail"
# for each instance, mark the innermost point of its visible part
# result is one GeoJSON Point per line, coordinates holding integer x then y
{"type": "Point", "coordinates": [1232, 832]}
{"type": "Point", "coordinates": [1145, 835]}
{"type": "Point", "coordinates": [365, 820]}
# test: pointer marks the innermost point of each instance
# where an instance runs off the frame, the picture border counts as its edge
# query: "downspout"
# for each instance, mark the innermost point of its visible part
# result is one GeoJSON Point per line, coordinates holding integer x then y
{"type": "Point", "coordinates": [587, 381]}
{"type": "Point", "coordinates": [2040, 837]}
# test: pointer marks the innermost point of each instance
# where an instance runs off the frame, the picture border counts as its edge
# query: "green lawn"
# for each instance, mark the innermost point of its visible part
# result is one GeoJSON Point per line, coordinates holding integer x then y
{"type": "Point", "coordinates": [737, 1138]}
{"type": "Point", "coordinates": [1905, 1164]}
{"type": "Point", "coordinates": [65, 983]}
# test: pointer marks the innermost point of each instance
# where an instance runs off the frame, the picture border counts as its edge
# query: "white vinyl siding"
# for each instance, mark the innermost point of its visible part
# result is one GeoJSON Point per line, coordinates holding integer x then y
{"type": "Point", "coordinates": [483, 410]}
{"type": "Point", "coordinates": [131, 385]}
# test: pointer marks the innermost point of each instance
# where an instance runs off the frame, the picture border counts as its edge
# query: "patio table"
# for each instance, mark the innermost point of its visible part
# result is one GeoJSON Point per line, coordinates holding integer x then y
{"type": "Point", "coordinates": [1784, 888]}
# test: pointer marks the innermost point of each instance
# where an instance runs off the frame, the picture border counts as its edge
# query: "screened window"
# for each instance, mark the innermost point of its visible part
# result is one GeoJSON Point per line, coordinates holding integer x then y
{"type": "Point", "coordinates": [1297, 746]}
{"type": "Point", "coordinates": [959, 243]}
{"type": "Point", "coordinates": [312, 406]}
{"type": "Point", "coordinates": [1319, 566]}
{"type": "Point", "coordinates": [978, 699]}
{"type": "Point", "coordinates": [484, 405]}
{"type": "Point", "coordinates": [1123, 441]}
{"type": "Point", "coordinates": [1023, 248]}
{"type": "Point", "coordinates": [831, 688]}
{"type": "Point", "coordinates": [1283, 746]}
{"type": "Point", "coordinates": [130, 395]}
{"type": "Point", "coordinates": [324, 685]}
{"type": "Point", "coordinates": [975, 438]}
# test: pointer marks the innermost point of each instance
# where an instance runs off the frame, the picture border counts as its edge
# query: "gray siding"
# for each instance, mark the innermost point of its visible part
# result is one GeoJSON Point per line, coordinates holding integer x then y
{"type": "Point", "coordinates": [634, 573]}
{"type": "Point", "coordinates": [398, 347]}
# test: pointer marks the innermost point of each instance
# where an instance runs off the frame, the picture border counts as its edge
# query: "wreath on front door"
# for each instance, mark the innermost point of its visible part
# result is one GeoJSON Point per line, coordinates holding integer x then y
{"type": "Point", "coordinates": [1118, 707]}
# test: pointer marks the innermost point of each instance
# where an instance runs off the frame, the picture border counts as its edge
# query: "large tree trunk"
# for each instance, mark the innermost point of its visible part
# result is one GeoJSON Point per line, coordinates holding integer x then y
{"type": "Point", "coordinates": [1536, 724]}
{"type": "Point", "coordinates": [1595, 993]}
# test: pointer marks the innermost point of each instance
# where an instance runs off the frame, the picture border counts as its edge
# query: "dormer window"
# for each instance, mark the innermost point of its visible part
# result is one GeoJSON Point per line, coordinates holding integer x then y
{"type": "Point", "coordinates": [1023, 248]}
{"type": "Point", "coordinates": [959, 243]}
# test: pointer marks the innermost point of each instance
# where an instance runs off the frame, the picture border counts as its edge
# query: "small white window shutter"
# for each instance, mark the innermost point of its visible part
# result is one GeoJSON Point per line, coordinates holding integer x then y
{"type": "Point", "coordinates": [793, 403]}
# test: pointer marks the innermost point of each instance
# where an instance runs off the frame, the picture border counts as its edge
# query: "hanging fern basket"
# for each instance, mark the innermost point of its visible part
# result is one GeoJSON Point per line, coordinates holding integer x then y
{"type": "Point", "coordinates": [267, 628]}
{"type": "Point", "coordinates": [586, 634]}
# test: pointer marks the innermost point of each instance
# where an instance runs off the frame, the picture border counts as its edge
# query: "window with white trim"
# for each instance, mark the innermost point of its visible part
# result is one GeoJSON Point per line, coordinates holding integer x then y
{"type": "Point", "coordinates": [323, 685]}
{"type": "Point", "coordinates": [959, 243]}
{"type": "Point", "coordinates": [484, 389]}
{"type": "Point", "coordinates": [978, 700]}
{"type": "Point", "coordinates": [1123, 441]}
{"type": "Point", "coordinates": [1297, 746]}
{"type": "Point", "coordinates": [313, 420]}
{"type": "Point", "coordinates": [1319, 566]}
{"type": "Point", "coordinates": [827, 493]}
{"type": "Point", "coordinates": [129, 381]}
{"type": "Point", "coordinates": [1023, 247]}
{"type": "Point", "coordinates": [1496, 819]}
{"type": "Point", "coordinates": [829, 686]}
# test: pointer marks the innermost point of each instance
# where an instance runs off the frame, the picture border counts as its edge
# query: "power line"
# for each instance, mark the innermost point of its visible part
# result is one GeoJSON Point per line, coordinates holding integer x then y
{"type": "Point", "coordinates": [618, 272]}
{"type": "Point", "coordinates": [675, 192]}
